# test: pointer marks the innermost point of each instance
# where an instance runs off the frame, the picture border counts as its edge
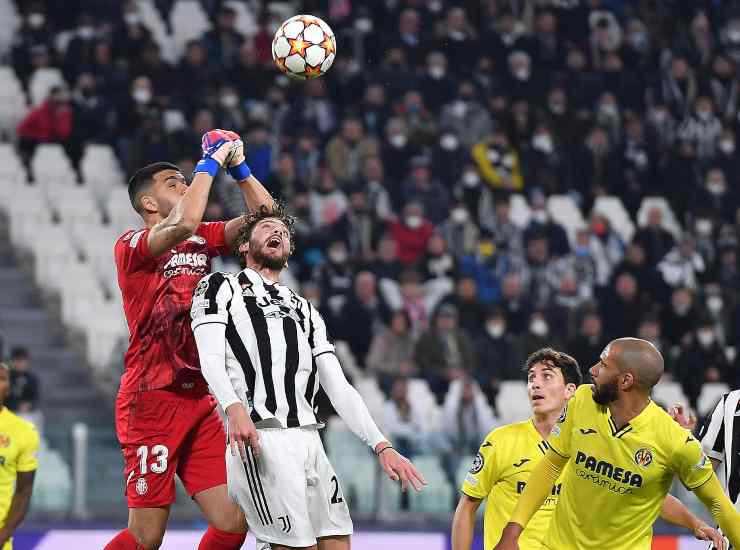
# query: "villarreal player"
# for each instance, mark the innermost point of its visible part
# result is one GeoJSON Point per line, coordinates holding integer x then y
{"type": "Point", "coordinates": [622, 452]}
{"type": "Point", "coordinates": [19, 442]}
{"type": "Point", "coordinates": [508, 455]}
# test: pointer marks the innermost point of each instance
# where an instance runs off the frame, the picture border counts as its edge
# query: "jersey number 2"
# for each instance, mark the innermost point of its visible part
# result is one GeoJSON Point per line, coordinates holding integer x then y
{"type": "Point", "coordinates": [159, 452]}
{"type": "Point", "coordinates": [336, 498]}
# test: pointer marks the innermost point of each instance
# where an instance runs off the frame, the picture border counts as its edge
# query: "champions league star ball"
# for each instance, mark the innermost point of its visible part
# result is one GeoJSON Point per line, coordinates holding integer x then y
{"type": "Point", "coordinates": [304, 47]}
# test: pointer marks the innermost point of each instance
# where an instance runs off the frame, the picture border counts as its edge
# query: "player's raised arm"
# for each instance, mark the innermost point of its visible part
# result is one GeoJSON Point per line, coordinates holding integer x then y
{"type": "Point", "coordinates": [722, 510]}
{"type": "Point", "coordinates": [673, 511]}
{"type": "Point", "coordinates": [187, 213]}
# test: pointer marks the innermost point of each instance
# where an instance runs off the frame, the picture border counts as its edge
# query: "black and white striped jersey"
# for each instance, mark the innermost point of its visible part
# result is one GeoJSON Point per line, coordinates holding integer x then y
{"type": "Point", "coordinates": [272, 339]}
{"type": "Point", "coordinates": [720, 439]}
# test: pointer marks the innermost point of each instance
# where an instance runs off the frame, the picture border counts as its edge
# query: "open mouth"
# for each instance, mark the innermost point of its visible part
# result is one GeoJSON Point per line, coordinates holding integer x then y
{"type": "Point", "coordinates": [537, 398]}
{"type": "Point", "coordinates": [274, 242]}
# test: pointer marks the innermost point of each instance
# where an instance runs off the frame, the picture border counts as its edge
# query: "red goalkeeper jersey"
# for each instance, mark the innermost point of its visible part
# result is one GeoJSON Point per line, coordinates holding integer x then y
{"type": "Point", "coordinates": [157, 293]}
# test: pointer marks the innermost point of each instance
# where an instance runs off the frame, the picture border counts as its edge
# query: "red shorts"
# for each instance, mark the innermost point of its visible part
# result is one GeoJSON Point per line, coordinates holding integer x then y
{"type": "Point", "coordinates": [163, 433]}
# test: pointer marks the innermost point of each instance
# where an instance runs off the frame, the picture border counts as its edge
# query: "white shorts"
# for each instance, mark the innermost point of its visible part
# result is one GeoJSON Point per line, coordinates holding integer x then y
{"type": "Point", "coordinates": [291, 496]}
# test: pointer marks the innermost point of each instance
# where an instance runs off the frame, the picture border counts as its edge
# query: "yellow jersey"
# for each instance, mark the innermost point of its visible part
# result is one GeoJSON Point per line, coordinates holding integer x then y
{"type": "Point", "coordinates": [19, 443]}
{"type": "Point", "coordinates": [499, 474]}
{"type": "Point", "coordinates": [617, 476]}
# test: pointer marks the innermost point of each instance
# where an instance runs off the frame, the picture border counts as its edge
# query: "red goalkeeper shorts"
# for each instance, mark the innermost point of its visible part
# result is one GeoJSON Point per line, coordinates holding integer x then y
{"type": "Point", "coordinates": [166, 432]}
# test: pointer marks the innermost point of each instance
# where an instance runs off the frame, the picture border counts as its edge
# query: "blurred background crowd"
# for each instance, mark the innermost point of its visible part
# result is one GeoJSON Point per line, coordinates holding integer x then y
{"type": "Point", "coordinates": [473, 180]}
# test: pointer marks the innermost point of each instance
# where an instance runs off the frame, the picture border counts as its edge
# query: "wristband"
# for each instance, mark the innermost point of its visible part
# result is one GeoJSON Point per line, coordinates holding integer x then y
{"type": "Point", "coordinates": [208, 165]}
{"type": "Point", "coordinates": [384, 449]}
{"type": "Point", "coordinates": [240, 171]}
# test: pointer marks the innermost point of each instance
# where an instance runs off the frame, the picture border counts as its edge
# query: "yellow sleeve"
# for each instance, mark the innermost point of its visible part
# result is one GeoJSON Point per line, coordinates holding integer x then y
{"type": "Point", "coordinates": [540, 483]}
{"type": "Point", "coordinates": [27, 459]}
{"type": "Point", "coordinates": [561, 433]}
{"type": "Point", "coordinates": [690, 463]}
{"type": "Point", "coordinates": [483, 473]}
{"type": "Point", "coordinates": [724, 513]}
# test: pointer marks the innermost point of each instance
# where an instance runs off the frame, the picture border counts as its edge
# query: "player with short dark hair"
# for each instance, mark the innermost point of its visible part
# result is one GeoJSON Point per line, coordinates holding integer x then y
{"type": "Point", "coordinates": [508, 455]}
{"type": "Point", "coordinates": [265, 351]}
{"type": "Point", "coordinates": [622, 452]}
{"type": "Point", "coordinates": [165, 418]}
{"type": "Point", "coordinates": [19, 443]}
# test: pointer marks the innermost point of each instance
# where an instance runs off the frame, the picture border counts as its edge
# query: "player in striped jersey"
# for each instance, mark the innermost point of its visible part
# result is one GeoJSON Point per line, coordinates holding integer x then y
{"type": "Point", "coordinates": [720, 438]}
{"type": "Point", "coordinates": [264, 351]}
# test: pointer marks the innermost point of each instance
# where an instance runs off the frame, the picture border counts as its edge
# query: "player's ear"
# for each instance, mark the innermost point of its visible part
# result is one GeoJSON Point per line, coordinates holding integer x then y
{"type": "Point", "coordinates": [570, 390]}
{"type": "Point", "coordinates": [629, 380]}
{"type": "Point", "coordinates": [244, 248]}
{"type": "Point", "coordinates": [148, 203]}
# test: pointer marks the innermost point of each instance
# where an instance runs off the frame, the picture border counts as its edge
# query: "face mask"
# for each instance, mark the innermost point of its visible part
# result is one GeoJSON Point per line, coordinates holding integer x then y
{"type": "Point", "coordinates": [495, 330]}
{"type": "Point", "coordinates": [131, 18]}
{"type": "Point", "coordinates": [681, 309]}
{"type": "Point", "coordinates": [704, 115]}
{"type": "Point", "coordinates": [86, 33]}
{"type": "Point", "coordinates": [539, 327]}
{"type": "Point", "coordinates": [598, 228]}
{"type": "Point", "coordinates": [229, 101]}
{"type": "Point", "coordinates": [660, 116]}
{"type": "Point", "coordinates": [398, 141]}
{"type": "Point", "coordinates": [142, 95]}
{"type": "Point", "coordinates": [705, 337]}
{"type": "Point", "coordinates": [543, 143]}
{"type": "Point", "coordinates": [714, 304]}
{"type": "Point", "coordinates": [36, 20]}
{"type": "Point", "coordinates": [338, 256]}
{"type": "Point", "coordinates": [459, 108]}
{"type": "Point", "coordinates": [486, 249]}
{"type": "Point", "coordinates": [733, 35]}
{"type": "Point", "coordinates": [540, 216]}
{"type": "Point", "coordinates": [703, 227]}
{"type": "Point", "coordinates": [521, 74]}
{"type": "Point", "coordinates": [581, 251]}
{"type": "Point", "coordinates": [716, 187]}
{"type": "Point", "coordinates": [413, 222]}
{"type": "Point", "coordinates": [436, 72]}
{"type": "Point", "coordinates": [459, 215]}
{"type": "Point", "coordinates": [727, 146]}
{"type": "Point", "coordinates": [449, 142]}
{"type": "Point", "coordinates": [470, 179]}
{"type": "Point", "coordinates": [609, 110]}
{"type": "Point", "coordinates": [639, 40]}
{"type": "Point", "coordinates": [557, 108]}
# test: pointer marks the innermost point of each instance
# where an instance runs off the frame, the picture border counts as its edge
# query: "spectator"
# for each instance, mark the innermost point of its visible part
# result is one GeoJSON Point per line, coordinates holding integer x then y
{"type": "Point", "coordinates": [24, 384]}
{"type": "Point", "coordinates": [396, 153]}
{"type": "Point", "coordinates": [466, 116]}
{"type": "Point", "coordinates": [81, 48]}
{"type": "Point", "coordinates": [130, 36]}
{"type": "Point", "coordinates": [460, 231]}
{"type": "Point", "coordinates": [51, 122]}
{"type": "Point", "coordinates": [623, 306]}
{"type": "Point", "coordinates": [498, 163]}
{"type": "Point", "coordinates": [374, 110]}
{"type": "Point", "coordinates": [387, 265]}
{"type": "Point", "coordinates": [391, 351]}
{"type": "Point", "coordinates": [346, 152]}
{"type": "Point", "coordinates": [335, 277]}
{"type": "Point", "coordinates": [411, 233]}
{"type": "Point", "coordinates": [376, 187]}
{"type": "Point", "coordinates": [482, 267]}
{"type": "Point", "coordinates": [605, 246]}
{"type": "Point", "coordinates": [362, 315]}
{"type": "Point", "coordinates": [542, 225]}
{"type": "Point", "coordinates": [36, 30]}
{"type": "Point", "coordinates": [444, 353]}
{"type": "Point", "coordinates": [590, 340]}
{"type": "Point", "coordinates": [497, 354]}
{"type": "Point", "coordinates": [471, 311]}
{"type": "Point", "coordinates": [429, 192]}
{"type": "Point", "coordinates": [413, 301]}
{"type": "Point", "coordinates": [679, 320]}
{"type": "Point", "coordinates": [284, 182]}
{"type": "Point", "coordinates": [223, 42]}
{"type": "Point", "coordinates": [702, 360]}
{"type": "Point", "coordinates": [702, 128]}
{"type": "Point", "coordinates": [683, 265]}
{"type": "Point", "coordinates": [405, 419]}
{"type": "Point", "coordinates": [328, 204]}
{"type": "Point", "coordinates": [537, 335]}
{"type": "Point", "coordinates": [438, 85]}
{"type": "Point", "coordinates": [655, 239]}
{"type": "Point", "coordinates": [506, 234]}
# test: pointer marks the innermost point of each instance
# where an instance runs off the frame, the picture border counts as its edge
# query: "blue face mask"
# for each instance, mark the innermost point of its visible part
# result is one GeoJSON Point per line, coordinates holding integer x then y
{"type": "Point", "coordinates": [581, 251]}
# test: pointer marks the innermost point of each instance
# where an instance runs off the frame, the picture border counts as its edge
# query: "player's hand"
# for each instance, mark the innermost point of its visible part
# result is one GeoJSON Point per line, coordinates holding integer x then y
{"type": "Point", "coordinates": [705, 532]}
{"type": "Point", "coordinates": [237, 162]}
{"type": "Point", "coordinates": [678, 414]}
{"type": "Point", "coordinates": [400, 468]}
{"type": "Point", "coordinates": [509, 537]}
{"type": "Point", "coordinates": [242, 432]}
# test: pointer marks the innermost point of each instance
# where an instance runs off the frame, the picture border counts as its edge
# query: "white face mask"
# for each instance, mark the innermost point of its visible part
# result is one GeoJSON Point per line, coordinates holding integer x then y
{"type": "Point", "coordinates": [230, 101]}
{"type": "Point", "coordinates": [436, 72]}
{"type": "Point", "coordinates": [521, 74]}
{"type": "Point", "coordinates": [449, 142]}
{"type": "Point", "coordinates": [609, 110]}
{"type": "Point", "coordinates": [398, 141]}
{"type": "Point", "coordinates": [539, 327]}
{"type": "Point", "coordinates": [543, 143]}
{"type": "Point", "coordinates": [705, 337]}
{"type": "Point", "coordinates": [86, 33]}
{"type": "Point", "coordinates": [704, 115]}
{"type": "Point", "coordinates": [727, 146]}
{"type": "Point", "coordinates": [557, 108]}
{"type": "Point", "coordinates": [459, 108]}
{"type": "Point", "coordinates": [716, 187]}
{"type": "Point", "coordinates": [142, 95]}
{"type": "Point", "coordinates": [132, 18]}
{"type": "Point", "coordinates": [539, 216]}
{"type": "Point", "coordinates": [495, 330]}
{"type": "Point", "coordinates": [413, 222]}
{"type": "Point", "coordinates": [703, 227]}
{"type": "Point", "coordinates": [470, 179]}
{"type": "Point", "coordinates": [714, 304]}
{"type": "Point", "coordinates": [36, 20]}
{"type": "Point", "coordinates": [338, 256]}
{"type": "Point", "coordinates": [459, 215]}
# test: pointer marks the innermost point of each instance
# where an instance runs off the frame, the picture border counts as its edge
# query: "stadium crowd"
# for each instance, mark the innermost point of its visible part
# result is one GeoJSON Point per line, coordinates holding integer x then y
{"type": "Point", "coordinates": [402, 161]}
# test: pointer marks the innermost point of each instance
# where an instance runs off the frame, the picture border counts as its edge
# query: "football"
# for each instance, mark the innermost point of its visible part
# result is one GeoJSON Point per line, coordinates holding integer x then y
{"type": "Point", "coordinates": [304, 47]}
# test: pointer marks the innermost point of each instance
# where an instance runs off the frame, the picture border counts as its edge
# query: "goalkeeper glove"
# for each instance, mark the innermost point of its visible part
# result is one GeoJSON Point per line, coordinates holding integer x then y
{"type": "Point", "coordinates": [238, 167]}
{"type": "Point", "coordinates": [217, 146]}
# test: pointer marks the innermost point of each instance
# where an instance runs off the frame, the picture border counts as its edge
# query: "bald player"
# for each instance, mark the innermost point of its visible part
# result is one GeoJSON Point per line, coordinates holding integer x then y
{"type": "Point", "coordinates": [624, 452]}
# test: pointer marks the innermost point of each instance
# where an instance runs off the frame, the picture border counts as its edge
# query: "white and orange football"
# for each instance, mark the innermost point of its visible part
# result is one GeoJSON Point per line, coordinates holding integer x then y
{"type": "Point", "coordinates": [304, 47]}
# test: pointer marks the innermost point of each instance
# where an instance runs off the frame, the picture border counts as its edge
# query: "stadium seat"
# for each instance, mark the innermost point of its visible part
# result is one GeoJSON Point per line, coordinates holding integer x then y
{"type": "Point", "coordinates": [520, 211]}
{"type": "Point", "coordinates": [710, 394]}
{"type": "Point", "coordinates": [13, 105]}
{"type": "Point", "coordinates": [437, 495]}
{"type": "Point", "coordinates": [246, 22]}
{"type": "Point", "coordinates": [668, 393]}
{"type": "Point", "coordinates": [50, 162]}
{"type": "Point", "coordinates": [613, 209]}
{"type": "Point", "coordinates": [11, 22]}
{"type": "Point", "coordinates": [188, 21]}
{"type": "Point", "coordinates": [419, 392]}
{"type": "Point", "coordinates": [512, 402]}
{"type": "Point", "coordinates": [100, 168]}
{"type": "Point", "coordinates": [564, 210]}
{"type": "Point", "coordinates": [153, 21]}
{"type": "Point", "coordinates": [41, 83]}
{"type": "Point", "coordinates": [104, 331]}
{"type": "Point", "coordinates": [670, 222]}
